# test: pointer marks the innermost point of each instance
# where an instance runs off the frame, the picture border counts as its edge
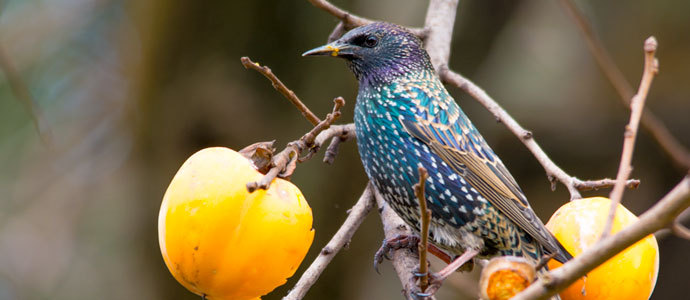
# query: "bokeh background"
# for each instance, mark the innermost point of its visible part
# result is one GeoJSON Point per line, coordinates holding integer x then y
{"type": "Point", "coordinates": [126, 90]}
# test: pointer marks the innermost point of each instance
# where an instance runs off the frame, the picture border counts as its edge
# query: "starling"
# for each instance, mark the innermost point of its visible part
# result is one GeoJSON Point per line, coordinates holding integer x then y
{"type": "Point", "coordinates": [406, 119]}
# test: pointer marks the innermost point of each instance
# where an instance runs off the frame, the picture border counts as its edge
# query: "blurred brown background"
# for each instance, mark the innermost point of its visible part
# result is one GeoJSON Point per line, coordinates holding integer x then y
{"type": "Point", "coordinates": [129, 89]}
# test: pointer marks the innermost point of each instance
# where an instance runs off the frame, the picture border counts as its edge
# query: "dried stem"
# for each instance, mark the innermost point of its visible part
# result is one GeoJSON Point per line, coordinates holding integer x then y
{"type": "Point", "coordinates": [651, 122]}
{"type": "Point", "coordinates": [357, 214]}
{"type": "Point", "coordinates": [651, 68]}
{"type": "Point", "coordinates": [404, 262]}
{"type": "Point", "coordinates": [350, 21]}
{"type": "Point", "coordinates": [657, 217]}
{"type": "Point", "coordinates": [284, 163]}
{"type": "Point", "coordinates": [425, 216]}
{"type": "Point", "coordinates": [280, 87]}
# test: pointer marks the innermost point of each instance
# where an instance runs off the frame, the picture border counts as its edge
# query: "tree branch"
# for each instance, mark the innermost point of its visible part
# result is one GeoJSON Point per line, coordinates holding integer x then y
{"type": "Point", "coordinates": [283, 164]}
{"type": "Point", "coordinates": [351, 21]}
{"type": "Point", "coordinates": [440, 19]}
{"type": "Point", "coordinates": [357, 214]}
{"type": "Point", "coordinates": [657, 217]}
{"type": "Point", "coordinates": [678, 153]}
{"type": "Point", "coordinates": [280, 87]}
{"type": "Point", "coordinates": [680, 231]}
{"type": "Point", "coordinates": [604, 183]}
{"type": "Point", "coordinates": [651, 68]}
{"type": "Point", "coordinates": [553, 172]}
{"type": "Point", "coordinates": [404, 261]}
{"type": "Point", "coordinates": [337, 134]}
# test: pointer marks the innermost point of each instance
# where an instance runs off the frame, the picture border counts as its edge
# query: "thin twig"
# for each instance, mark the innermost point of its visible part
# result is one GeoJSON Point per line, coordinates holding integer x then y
{"type": "Point", "coordinates": [425, 217]}
{"type": "Point", "coordinates": [284, 163]}
{"type": "Point", "coordinates": [343, 236]}
{"type": "Point", "coordinates": [280, 87]}
{"type": "Point", "coordinates": [337, 32]}
{"type": "Point", "coordinates": [589, 185]}
{"type": "Point", "coordinates": [404, 262]}
{"type": "Point", "coordinates": [351, 21]}
{"type": "Point", "coordinates": [337, 134]}
{"type": "Point", "coordinates": [657, 217]}
{"type": "Point", "coordinates": [680, 231]}
{"type": "Point", "coordinates": [651, 122]}
{"type": "Point", "coordinates": [651, 68]}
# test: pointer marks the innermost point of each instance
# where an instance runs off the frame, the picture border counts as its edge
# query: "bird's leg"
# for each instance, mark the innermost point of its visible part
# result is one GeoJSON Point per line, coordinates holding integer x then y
{"type": "Point", "coordinates": [399, 242]}
{"type": "Point", "coordinates": [406, 242]}
{"type": "Point", "coordinates": [437, 279]}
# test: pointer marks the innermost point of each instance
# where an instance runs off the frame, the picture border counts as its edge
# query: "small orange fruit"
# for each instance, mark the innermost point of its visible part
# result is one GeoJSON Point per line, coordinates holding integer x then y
{"type": "Point", "coordinates": [630, 274]}
{"type": "Point", "coordinates": [219, 240]}
{"type": "Point", "coordinates": [504, 277]}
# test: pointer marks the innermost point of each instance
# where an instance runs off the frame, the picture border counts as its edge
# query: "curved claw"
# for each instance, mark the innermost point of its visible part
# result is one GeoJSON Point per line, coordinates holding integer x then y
{"type": "Point", "coordinates": [380, 254]}
{"type": "Point", "coordinates": [398, 242]}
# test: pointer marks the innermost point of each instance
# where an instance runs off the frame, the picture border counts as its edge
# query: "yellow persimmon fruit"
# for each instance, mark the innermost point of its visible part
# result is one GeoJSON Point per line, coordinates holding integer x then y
{"type": "Point", "coordinates": [223, 242]}
{"type": "Point", "coordinates": [629, 275]}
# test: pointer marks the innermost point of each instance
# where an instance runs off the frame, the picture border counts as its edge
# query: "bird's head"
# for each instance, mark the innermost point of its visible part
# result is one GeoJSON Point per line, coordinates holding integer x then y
{"type": "Point", "coordinates": [378, 52]}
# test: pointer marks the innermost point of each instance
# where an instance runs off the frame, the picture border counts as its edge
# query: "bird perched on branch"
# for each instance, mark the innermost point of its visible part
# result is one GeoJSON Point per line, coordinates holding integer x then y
{"type": "Point", "coordinates": [405, 119]}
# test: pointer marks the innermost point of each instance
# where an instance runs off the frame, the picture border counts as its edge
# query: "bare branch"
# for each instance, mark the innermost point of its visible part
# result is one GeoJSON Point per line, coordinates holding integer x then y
{"type": "Point", "coordinates": [651, 68]}
{"type": "Point", "coordinates": [357, 214]}
{"type": "Point", "coordinates": [284, 163]}
{"type": "Point", "coordinates": [404, 262]}
{"type": "Point", "coordinates": [350, 20]}
{"type": "Point", "coordinates": [680, 231]}
{"type": "Point", "coordinates": [425, 216]}
{"type": "Point", "coordinates": [604, 183]}
{"type": "Point", "coordinates": [337, 32]}
{"type": "Point", "coordinates": [657, 217]}
{"type": "Point", "coordinates": [651, 122]}
{"type": "Point", "coordinates": [440, 18]}
{"type": "Point", "coordinates": [280, 87]}
{"type": "Point", "coordinates": [552, 170]}
{"type": "Point", "coordinates": [337, 134]}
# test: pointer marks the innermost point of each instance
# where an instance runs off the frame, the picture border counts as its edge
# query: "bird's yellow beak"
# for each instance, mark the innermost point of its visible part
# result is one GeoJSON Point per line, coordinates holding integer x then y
{"type": "Point", "coordinates": [333, 49]}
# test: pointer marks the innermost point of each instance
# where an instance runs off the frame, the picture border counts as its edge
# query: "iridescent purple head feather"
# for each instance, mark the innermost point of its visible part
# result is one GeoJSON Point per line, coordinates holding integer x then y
{"type": "Point", "coordinates": [379, 52]}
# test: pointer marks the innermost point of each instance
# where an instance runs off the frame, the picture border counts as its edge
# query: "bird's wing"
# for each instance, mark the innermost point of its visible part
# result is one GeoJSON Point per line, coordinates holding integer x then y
{"type": "Point", "coordinates": [471, 158]}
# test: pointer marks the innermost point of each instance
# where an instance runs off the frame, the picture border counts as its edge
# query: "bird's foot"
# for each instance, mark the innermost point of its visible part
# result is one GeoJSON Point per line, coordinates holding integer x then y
{"type": "Point", "coordinates": [435, 280]}
{"type": "Point", "coordinates": [399, 242]}
{"type": "Point", "coordinates": [411, 242]}
{"type": "Point", "coordinates": [434, 283]}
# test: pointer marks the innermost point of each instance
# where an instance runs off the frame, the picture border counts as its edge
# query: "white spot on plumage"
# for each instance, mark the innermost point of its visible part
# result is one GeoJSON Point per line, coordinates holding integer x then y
{"type": "Point", "coordinates": [478, 211]}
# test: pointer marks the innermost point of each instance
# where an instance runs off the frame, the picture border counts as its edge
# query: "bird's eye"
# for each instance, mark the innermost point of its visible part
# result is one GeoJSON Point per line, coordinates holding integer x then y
{"type": "Point", "coordinates": [371, 41]}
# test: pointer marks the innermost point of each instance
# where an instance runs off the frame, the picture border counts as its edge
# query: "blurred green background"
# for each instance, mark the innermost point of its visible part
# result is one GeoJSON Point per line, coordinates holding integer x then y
{"type": "Point", "coordinates": [127, 90]}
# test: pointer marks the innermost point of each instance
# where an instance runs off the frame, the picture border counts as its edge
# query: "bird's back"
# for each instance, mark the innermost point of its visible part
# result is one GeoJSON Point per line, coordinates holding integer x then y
{"type": "Point", "coordinates": [412, 121]}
